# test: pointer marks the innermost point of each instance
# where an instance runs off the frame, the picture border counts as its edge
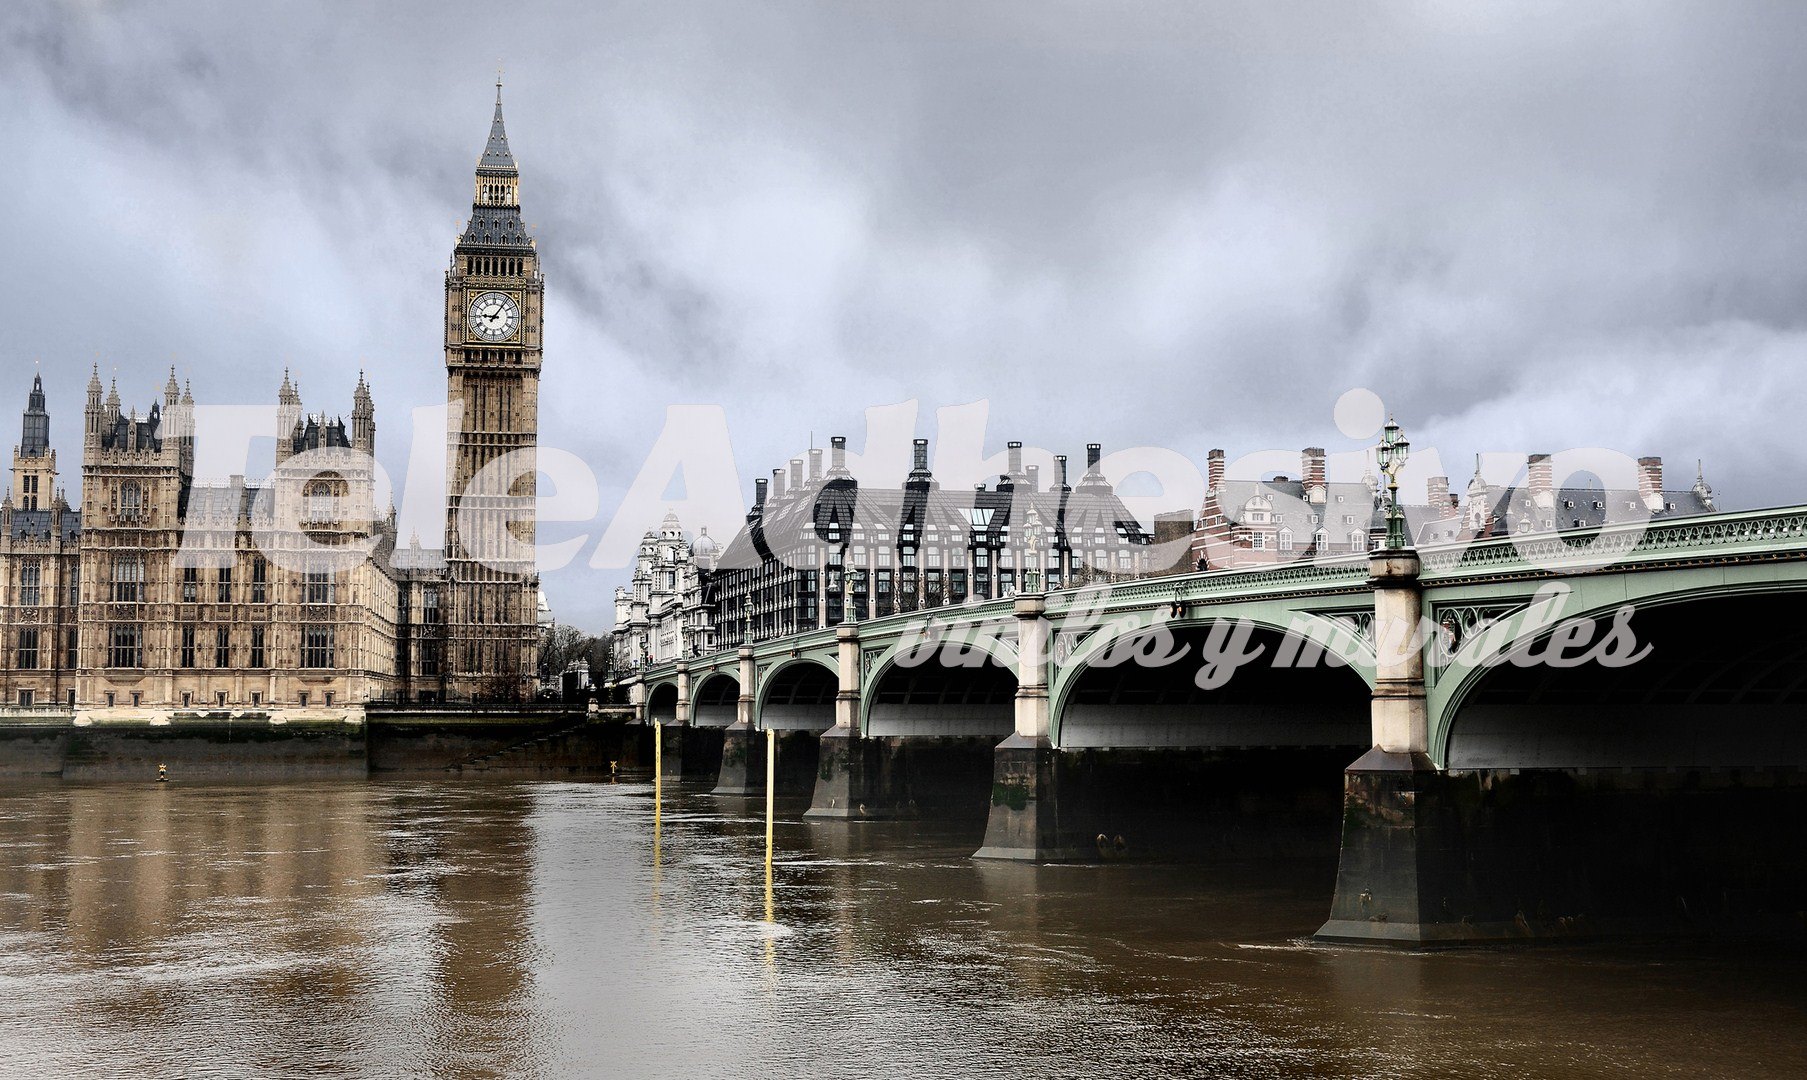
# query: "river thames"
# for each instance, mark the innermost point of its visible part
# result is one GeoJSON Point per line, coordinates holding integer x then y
{"type": "Point", "coordinates": [554, 929]}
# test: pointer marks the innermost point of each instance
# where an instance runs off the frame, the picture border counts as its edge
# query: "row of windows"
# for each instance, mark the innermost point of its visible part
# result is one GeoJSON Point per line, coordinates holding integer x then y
{"type": "Point", "coordinates": [128, 587]}
{"type": "Point", "coordinates": [1284, 540]}
{"type": "Point", "coordinates": [31, 584]}
{"type": "Point", "coordinates": [30, 655]}
{"type": "Point", "coordinates": [494, 265]}
{"type": "Point", "coordinates": [125, 647]}
{"type": "Point", "coordinates": [220, 698]}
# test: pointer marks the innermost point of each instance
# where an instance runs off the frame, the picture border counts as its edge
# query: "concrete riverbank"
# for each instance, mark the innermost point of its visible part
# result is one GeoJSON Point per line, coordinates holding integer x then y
{"type": "Point", "coordinates": [252, 745]}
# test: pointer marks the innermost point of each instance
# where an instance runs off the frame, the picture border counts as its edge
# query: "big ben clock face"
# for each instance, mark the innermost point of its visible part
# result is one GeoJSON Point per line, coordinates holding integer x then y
{"type": "Point", "coordinates": [494, 316]}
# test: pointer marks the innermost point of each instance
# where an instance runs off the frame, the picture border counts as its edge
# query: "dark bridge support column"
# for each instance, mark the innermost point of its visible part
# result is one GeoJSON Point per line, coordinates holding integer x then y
{"type": "Point", "coordinates": [1400, 845]}
{"type": "Point", "coordinates": [671, 751]}
{"type": "Point", "coordinates": [743, 750]}
{"type": "Point", "coordinates": [1025, 822]}
{"type": "Point", "coordinates": [851, 778]}
{"type": "Point", "coordinates": [674, 736]}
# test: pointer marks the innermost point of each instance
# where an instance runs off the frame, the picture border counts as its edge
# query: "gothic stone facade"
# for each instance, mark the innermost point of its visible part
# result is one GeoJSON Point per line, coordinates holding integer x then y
{"type": "Point", "coordinates": [164, 593]}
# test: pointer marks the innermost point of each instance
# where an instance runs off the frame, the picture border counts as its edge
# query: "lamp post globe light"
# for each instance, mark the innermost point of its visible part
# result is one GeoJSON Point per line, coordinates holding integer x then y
{"type": "Point", "coordinates": [849, 596]}
{"type": "Point", "coordinates": [1392, 454]}
{"type": "Point", "coordinates": [746, 619]}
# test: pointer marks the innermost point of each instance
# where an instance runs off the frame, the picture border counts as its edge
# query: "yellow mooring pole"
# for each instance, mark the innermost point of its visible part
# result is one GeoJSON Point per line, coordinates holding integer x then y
{"type": "Point", "coordinates": [771, 786]}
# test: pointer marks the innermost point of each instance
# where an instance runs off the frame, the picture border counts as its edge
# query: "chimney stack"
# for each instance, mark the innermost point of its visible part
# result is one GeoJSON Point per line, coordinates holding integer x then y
{"type": "Point", "coordinates": [1541, 474]}
{"type": "Point", "coordinates": [1312, 462]}
{"type": "Point", "coordinates": [920, 476]}
{"type": "Point", "coordinates": [837, 457]}
{"type": "Point", "coordinates": [1015, 451]}
{"type": "Point", "coordinates": [1060, 472]}
{"type": "Point", "coordinates": [759, 493]}
{"type": "Point", "coordinates": [1035, 477]}
{"type": "Point", "coordinates": [1093, 452]}
{"type": "Point", "coordinates": [796, 473]}
{"type": "Point", "coordinates": [1437, 487]}
{"type": "Point", "coordinates": [1650, 481]}
{"type": "Point", "coordinates": [1214, 470]}
{"type": "Point", "coordinates": [777, 483]}
{"type": "Point", "coordinates": [815, 464]}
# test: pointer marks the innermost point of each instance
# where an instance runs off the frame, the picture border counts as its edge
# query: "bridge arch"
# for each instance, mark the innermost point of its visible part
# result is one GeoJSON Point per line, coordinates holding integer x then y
{"type": "Point", "coordinates": [662, 702]}
{"type": "Point", "coordinates": [933, 699]}
{"type": "Point", "coordinates": [1723, 687]}
{"type": "Point", "coordinates": [798, 694]}
{"type": "Point", "coordinates": [924, 682]}
{"type": "Point", "coordinates": [715, 701]}
{"type": "Point", "coordinates": [1295, 693]}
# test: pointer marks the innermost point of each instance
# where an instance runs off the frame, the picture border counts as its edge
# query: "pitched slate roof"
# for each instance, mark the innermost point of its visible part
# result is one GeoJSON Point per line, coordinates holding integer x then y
{"type": "Point", "coordinates": [35, 525]}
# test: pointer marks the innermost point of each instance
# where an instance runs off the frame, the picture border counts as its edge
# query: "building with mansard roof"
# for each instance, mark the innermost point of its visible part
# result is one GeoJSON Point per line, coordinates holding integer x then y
{"type": "Point", "coordinates": [1246, 522]}
{"type": "Point", "coordinates": [817, 541]}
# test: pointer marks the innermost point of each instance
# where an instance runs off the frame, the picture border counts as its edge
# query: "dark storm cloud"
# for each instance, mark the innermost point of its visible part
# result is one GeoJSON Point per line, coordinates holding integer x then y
{"type": "Point", "coordinates": [1527, 227]}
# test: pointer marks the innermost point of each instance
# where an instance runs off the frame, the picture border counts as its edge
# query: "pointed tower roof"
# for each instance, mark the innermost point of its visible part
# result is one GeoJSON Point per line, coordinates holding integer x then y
{"type": "Point", "coordinates": [1703, 490]}
{"type": "Point", "coordinates": [495, 221]}
{"type": "Point", "coordinates": [496, 155]}
{"type": "Point", "coordinates": [36, 437]}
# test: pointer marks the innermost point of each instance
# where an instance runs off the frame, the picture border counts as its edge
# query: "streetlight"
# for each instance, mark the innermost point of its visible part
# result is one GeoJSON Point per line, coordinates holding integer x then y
{"type": "Point", "coordinates": [1392, 452]}
{"type": "Point", "coordinates": [1032, 550]}
{"type": "Point", "coordinates": [746, 618]}
{"type": "Point", "coordinates": [849, 604]}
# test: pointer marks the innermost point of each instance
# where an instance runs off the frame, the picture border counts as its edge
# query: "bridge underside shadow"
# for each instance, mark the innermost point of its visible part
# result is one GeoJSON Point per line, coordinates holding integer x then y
{"type": "Point", "coordinates": [1664, 796]}
{"type": "Point", "coordinates": [797, 704]}
{"type": "Point", "coordinates": [1146, 762]}
{"type": "Point", "coordinates": [930, 730]}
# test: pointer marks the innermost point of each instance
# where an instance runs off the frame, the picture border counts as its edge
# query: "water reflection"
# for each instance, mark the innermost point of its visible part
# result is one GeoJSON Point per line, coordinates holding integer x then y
{"type": "Point", "coordinates": [651, 929]}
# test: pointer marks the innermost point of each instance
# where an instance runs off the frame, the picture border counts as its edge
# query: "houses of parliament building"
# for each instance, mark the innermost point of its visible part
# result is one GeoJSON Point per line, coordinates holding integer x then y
{"type": "Point", "coordinates": [158, 593]}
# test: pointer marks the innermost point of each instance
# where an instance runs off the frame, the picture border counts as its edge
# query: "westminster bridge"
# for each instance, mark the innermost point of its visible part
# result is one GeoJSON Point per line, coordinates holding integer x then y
{"type": "Point", "coordinates": [1583, 731]}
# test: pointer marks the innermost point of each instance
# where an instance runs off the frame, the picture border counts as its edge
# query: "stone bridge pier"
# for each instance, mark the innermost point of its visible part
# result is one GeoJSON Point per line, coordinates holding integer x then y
{"type": "Point", "coordinates": [1395, 840]}
{"type": "Point", "coordinates": [1024, 821]}
{"type": "Point", "coordinates": [856, 776]}
{"type": "Point", "coordinates": [743, 751]}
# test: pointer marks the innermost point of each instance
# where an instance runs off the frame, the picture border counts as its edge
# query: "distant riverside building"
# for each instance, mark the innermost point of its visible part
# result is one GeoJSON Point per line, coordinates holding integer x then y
{"type": "Point", "coordinates": [668, 612]}
{"type": "Point", "coordinates": [1283, 519]}
{"type": "Point", "coordinates": [1539, 505]}
{"type": "Point", "coordinates": [166, 592]}
{"type": "Point", "coordinates": [816, 540]}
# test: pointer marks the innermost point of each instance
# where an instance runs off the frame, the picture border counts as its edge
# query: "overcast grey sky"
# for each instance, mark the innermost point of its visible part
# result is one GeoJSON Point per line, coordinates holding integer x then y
{"type": "Point", "coordinates": [1527, 226]}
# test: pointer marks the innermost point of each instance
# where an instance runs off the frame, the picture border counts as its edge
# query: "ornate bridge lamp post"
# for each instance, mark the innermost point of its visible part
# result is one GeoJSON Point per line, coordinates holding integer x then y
{"type": "Point", "coordinates": [746, 620]}
{"type": "Point", "coordinates": [1392, 452]}
{"type": "Point", "coordinates": [1032, 551]}
{"type": "Point", "coordinates": [850, 612]}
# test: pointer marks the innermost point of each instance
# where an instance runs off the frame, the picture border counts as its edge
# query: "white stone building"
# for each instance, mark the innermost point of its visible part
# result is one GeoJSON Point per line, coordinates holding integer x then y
{"type": "Point", "coordinates": [666, 613]}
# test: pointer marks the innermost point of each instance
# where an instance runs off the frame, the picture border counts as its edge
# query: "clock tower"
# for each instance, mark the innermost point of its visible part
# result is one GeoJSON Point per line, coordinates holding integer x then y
{"type": "Point", "coordinates": [493, 312]}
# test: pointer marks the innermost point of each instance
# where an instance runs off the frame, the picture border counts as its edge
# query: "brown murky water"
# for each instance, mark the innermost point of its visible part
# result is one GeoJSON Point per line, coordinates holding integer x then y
{"type": "Point", "coordinates": [551, 930]}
